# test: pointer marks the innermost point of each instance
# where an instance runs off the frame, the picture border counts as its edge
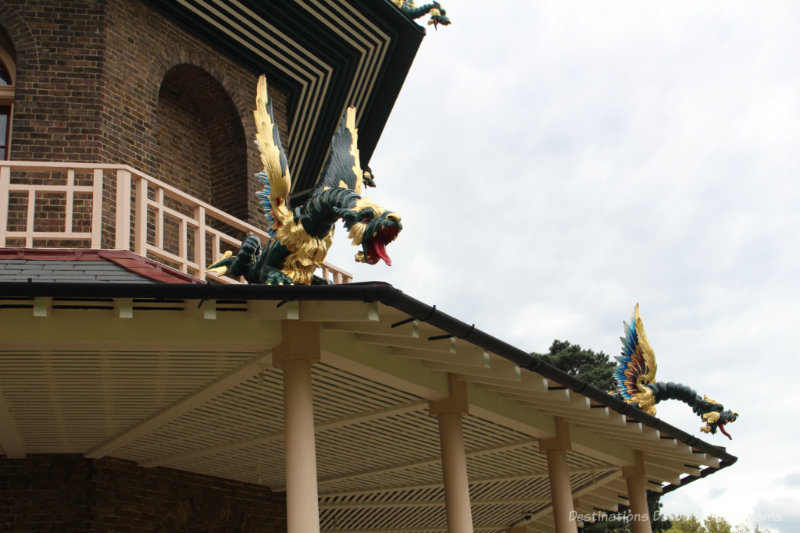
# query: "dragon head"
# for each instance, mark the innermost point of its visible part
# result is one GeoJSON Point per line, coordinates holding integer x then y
{"type": "Point", "coordinates": [716, 417]}
{"type": "Point", "coordinates": [372, 227]}
{"type": "Point", "coordinates": [438, 16]}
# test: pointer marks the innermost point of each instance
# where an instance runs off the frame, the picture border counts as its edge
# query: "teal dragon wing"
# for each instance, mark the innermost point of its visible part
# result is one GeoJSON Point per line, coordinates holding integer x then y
{"type": "Point", "coordinates": [636, 366]}
{"type": "Point", "coordinates": [343, 166]}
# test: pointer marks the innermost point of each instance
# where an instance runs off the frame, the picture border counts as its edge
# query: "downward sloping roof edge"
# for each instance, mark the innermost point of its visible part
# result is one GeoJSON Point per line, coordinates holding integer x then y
{"type": "Point", "coordinates": [149, 269]}
{"type": "Point", "coordinates": [370, 292]}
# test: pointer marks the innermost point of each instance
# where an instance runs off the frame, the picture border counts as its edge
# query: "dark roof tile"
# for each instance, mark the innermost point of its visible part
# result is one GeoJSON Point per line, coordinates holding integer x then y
{"type": "Point", "coordinates": [81, 265]}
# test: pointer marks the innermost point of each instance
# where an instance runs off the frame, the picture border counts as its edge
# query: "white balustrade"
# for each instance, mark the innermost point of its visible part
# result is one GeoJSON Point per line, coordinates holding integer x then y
{"type": "Point", "coordinates": [162, 223]}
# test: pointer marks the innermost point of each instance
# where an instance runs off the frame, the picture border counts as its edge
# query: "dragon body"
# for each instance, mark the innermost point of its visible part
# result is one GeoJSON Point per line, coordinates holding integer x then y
{"type": "Point", "coordinates": [434, 9]}
{"type": "Point", "coordinates": [301, 237]}
{"type": "Point", "coordinates": [635, 375]}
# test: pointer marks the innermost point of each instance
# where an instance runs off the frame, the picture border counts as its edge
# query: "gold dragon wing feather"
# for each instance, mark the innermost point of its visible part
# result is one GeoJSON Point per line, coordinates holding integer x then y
{"type": "Point", "coordinates": [647, 353]}
{"type": "Point", "coordinates": [276, 177]}
{"type": "Point", "coordinates": [636, 365]}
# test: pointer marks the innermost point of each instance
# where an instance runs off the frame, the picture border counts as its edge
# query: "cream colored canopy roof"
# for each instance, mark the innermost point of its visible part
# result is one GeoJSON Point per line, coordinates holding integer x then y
{"type": "Point", "coordinates": [180, 376]}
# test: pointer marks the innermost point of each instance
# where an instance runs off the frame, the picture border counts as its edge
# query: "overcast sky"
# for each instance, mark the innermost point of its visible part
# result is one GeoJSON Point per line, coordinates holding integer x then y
{"type": "Point", "coordinates": [557, 162]}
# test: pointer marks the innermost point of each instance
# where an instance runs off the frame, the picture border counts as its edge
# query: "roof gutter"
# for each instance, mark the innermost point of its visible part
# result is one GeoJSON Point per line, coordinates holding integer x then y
{"type": "Point", "coordinates": [366, 292]}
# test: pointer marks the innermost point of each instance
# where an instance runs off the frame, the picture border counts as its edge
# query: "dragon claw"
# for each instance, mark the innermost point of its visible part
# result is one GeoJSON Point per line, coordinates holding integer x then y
{"type": "Point", "coordinates": [220, 267]}
{"type": "Point", "coordinates": [276, 277]}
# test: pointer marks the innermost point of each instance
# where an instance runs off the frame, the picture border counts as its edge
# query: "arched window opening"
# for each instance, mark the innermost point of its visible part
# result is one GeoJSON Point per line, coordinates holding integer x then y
{"type": "Point", "coordinates": [7, 75]}
{"type": "Point", "coordinates": [5, 130]}
{"type": "Point", "coordinates": [201, 141]}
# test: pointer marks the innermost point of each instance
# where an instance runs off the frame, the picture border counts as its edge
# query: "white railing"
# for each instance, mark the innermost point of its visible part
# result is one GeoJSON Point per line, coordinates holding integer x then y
{"type": "Point", "coordinates": [153, 219]}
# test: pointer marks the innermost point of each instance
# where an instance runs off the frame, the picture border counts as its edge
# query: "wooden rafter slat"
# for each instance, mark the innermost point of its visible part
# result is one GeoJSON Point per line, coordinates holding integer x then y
{"type": "Point", "coordinates": [249, 369]}
{"type": "Point", "coordinates": [408, 329]}
{"type": "Point", "coordinates": [256, 440]}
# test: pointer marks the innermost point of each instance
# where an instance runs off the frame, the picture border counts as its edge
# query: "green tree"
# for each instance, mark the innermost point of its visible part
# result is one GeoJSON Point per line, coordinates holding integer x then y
{"type": "Point", "coordinates": [711, 524]}
{"type": "Point", "coordinates": [686, 524]}
{"type": "Point", "coordinates": [717, 524]}
{"type": "Point", "coordinates": [595, 368]}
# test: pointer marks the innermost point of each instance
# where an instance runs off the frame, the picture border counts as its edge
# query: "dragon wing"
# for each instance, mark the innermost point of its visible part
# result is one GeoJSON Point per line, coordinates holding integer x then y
{"type": "Point", "coordinates": [636, 365]}
{"type": "Point", "coordinates": [343, 167]}
{"type": "Point", "coordinates": [276, 177]}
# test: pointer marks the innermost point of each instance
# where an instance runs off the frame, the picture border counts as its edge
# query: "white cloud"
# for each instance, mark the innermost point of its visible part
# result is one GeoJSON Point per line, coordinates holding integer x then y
{"type": "Point", "coordinates": [780, 514]}
{"type": "Point", "coordinates": [556, 163]}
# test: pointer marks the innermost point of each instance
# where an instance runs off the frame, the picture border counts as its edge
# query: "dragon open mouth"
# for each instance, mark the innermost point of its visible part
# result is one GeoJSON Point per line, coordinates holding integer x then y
{"type": "Point", "coordinates": [375, 246]}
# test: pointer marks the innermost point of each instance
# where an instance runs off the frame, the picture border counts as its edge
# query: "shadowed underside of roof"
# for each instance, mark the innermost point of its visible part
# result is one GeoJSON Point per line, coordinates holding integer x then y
{"type": "Point", "coordinates": [181, 376]}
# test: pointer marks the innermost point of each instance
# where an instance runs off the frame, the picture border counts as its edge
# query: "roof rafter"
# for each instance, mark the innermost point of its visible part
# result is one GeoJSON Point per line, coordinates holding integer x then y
{"type": "Point", "coordinates": [266, 438]}
{"type": "Point", "coordinates": [246, 371]}
{"type": "Point", "coordinates": [540, 474]}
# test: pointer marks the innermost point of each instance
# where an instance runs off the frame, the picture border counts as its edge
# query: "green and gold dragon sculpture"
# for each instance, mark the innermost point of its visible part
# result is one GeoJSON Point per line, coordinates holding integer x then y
{"type": "Point", "coordinates": [300, 237]}
{"type": "Point", "coordinates": [635, 375]}
{"type": "Point", "coordinates": [434, 9]}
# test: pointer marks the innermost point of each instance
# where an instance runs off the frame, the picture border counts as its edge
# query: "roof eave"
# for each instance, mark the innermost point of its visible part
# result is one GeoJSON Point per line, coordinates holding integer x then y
{"type": "Point", "coordinates": [366, 292]}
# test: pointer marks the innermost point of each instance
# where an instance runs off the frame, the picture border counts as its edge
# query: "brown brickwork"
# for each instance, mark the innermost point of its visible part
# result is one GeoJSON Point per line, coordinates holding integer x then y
{"type": "Point", "coordinates": [71, 494]}
{"type": "Point", "coordinates": [112, 81]}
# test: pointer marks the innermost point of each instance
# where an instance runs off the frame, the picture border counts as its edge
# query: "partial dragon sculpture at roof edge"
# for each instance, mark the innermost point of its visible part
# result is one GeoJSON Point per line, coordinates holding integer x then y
{"type": "Point", "coordinates": [300, 237]}
{"type": "Point", "coordinates": [635, 375]}
{"type": "Point", "coordinates": [434, 9]}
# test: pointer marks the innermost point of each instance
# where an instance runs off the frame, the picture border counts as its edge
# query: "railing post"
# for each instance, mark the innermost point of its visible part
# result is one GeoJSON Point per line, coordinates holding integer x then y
{"type": "Point", "coordinates": [5, 191]}
{"type": "Point", "coordinates": [200, 241]}
{"type": "Point", "coordinates": [140, 237]}
{"type": "Point", "coordinates": [158, 205]}
{"type": "Point", "coordinates": [183, 238]}
{"type": "Point", "coordinates": [122, 238]}
{"type": "Point", "coordinates": [69, 199]}
{"type": "Point", "coordinates": [30, 217]}
{"type": "Point", "coordinates": [97, 209]}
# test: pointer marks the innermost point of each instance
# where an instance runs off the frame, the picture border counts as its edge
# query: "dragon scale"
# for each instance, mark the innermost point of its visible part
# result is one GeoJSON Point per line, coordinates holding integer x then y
{"type": "Point", "coordinates": [323, 210]}
{"type": "Point", "coordinates": [678, 391]}
{"type": "Point", "coordinates": [421, 11]}
{"type": "Point", "coordinates": [434, 9]}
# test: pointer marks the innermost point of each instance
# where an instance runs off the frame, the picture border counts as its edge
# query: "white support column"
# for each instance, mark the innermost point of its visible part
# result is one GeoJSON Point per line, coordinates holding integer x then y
{"type": "Point", "coordinates": [454, 459]}
{"type": "Point", "coordinates": [295, 355]}
{"type": "Point", "coordinates": [637, 495]}
{"type": "Point", "coordinates": [560, 491]}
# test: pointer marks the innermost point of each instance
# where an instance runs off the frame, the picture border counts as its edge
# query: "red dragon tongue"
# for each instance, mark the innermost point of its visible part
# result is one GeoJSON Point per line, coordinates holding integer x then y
{"type": "Point", "coordinates": [722, 429]}
{"type": "Point", "coordinates": [379, 247]}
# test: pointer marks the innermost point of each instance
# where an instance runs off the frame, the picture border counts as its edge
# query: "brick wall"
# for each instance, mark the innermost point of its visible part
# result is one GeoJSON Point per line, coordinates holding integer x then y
{"type": "Point", "coordinates": [113, 81]}
{"type": "Point", "coordinates": [58, 99]}
{"type": "Point", "coordinates": [70, 494]}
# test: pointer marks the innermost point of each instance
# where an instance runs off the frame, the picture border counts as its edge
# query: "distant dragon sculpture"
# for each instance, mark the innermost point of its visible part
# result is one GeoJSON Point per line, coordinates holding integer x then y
{"type": "Point", "coordinates": [435, 9]}
{"type": "Point", "coordinates": [635, 375]}
{"type": "Point", "coordinates": [300, 237]}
